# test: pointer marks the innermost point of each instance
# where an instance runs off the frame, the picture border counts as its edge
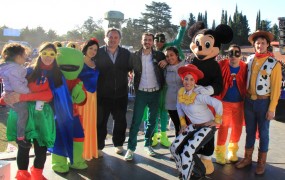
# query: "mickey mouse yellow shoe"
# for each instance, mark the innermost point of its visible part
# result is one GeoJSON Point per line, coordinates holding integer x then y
{"type": "Point", "coordinates": [208, 165]}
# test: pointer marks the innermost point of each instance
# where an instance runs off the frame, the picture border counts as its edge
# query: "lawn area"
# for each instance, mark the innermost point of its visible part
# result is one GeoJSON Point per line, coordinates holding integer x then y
{"type": "Point", "coordinates": [3, 118]}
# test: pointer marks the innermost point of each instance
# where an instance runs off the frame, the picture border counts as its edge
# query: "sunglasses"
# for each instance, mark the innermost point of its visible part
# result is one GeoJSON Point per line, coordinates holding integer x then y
{"type": "Point", "coordinates": [159, 39]}
{"type": "Point", "coordinates": [235, 53]}
{"type": "Point", "coordinates": [51, 54]}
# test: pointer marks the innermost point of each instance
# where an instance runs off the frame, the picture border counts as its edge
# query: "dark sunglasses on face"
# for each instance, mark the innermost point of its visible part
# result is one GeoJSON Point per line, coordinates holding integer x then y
{"type": "Point", "coordinates": [157, 39]}
{"type": "Point", "coordinates": [235, 53]}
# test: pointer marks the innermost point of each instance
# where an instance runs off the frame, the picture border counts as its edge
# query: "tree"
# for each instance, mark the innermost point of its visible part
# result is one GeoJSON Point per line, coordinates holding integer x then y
{"type": "Point", "coordinates": [52, 36]}
{"type": "Point", "coordinates": [240, 28]}
{"type": "Point", "coordinates": [223, 17]}
{"type": "Point", "coordinates": [275, 31]}
{"type": "Point", "coordinates": [158, 17]}
{"type": "Point", "coordinates": [205, 19]}
{"type": "Point", "coordinates": [131, 34]}
{"type": "Point", "coordinates": [265, 25]}
{"type": "Point", "coordinates": [213, 25]}
{"type": "Point", "coordinates": [186, 39]}
{"type": "Point", "coordinates": [74, 35]}
{"type": "Point", "coordinates": [89, 26]}
{"type": "Point", "coordinates": [257, 23]}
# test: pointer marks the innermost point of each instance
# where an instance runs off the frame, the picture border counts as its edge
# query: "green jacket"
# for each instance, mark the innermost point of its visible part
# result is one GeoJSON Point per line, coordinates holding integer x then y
{"type": "Point", "coordinates": [176, 42]}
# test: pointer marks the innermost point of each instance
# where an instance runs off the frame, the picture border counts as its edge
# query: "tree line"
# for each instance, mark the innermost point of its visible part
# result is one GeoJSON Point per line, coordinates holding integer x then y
{"type": "Point", "coordinates": [156, 18]}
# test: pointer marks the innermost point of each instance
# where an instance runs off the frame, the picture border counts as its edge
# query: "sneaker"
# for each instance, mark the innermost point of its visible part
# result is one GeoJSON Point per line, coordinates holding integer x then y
{"type": "Point", "coordinates": [100, 153]}
{"type": "Point", "coordinates": [149, 151]}
{"type": "Point", "coordinates": [119, 149]}
{"type": "Point", "coordinates": [24, 144]}
{"type": "Point", "coordinates": [129, 155]}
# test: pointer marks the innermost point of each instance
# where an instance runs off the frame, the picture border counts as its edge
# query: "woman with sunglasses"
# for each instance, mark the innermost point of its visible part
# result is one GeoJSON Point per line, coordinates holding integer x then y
{"type": "Point", "coordinates": [44, 79]}
{"type": "Point", "coordinates": [234, 82]}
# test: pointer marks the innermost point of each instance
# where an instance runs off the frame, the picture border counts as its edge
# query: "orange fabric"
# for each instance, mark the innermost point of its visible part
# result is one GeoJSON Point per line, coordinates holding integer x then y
{"type": "Point", "coordinates": [40, 92]}
{"type": "Point", "coordinates": [233, 116]}
{"type": "Point", "coordinates": [88, 117]}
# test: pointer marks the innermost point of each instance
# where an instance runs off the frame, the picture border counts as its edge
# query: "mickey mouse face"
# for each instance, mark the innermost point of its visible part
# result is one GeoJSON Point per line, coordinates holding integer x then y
{"type": "Point", "coordinates": [203, 46]}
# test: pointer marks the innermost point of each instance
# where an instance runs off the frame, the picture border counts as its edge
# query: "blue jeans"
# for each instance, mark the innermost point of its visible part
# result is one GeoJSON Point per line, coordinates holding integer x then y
{"type": "Point", "coordinates": [255, 117]}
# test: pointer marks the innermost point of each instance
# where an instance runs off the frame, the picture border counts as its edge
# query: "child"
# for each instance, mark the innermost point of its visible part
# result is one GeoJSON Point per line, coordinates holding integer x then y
{"type": "Point", "coordinates": [200, 138]}
{"type": "Point", "coordinates": [14, 74]}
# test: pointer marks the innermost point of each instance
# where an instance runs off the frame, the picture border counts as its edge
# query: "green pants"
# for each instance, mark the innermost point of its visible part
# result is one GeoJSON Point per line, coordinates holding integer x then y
{"type": "Point", "coordinates": [162, 115]}
{"type": "Point", "coordinates": [143, 99]}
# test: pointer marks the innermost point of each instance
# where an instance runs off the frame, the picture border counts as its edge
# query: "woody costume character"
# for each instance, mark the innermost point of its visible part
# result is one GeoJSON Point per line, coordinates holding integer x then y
{"type": "Point", "coordinates": [262, 95]}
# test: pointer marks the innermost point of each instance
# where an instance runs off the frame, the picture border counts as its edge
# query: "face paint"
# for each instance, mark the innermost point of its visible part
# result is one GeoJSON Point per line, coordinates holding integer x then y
{"type": "Point", "coordinates": [51, 54]}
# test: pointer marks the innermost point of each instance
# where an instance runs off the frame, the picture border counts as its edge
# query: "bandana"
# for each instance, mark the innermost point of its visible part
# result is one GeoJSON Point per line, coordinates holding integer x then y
{"type": "Point", "coordinates": [258, 55]}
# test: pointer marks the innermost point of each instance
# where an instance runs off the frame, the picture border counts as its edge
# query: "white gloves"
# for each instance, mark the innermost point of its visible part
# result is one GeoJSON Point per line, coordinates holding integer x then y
{"type": "Point", "coordinates": [207, 90]}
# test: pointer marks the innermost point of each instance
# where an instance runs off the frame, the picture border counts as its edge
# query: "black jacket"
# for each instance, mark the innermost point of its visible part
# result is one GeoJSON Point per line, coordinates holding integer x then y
{"type": "Point", "coordinates": [136, 60]}
{"type": "Point", "coordinates": [113, 78]}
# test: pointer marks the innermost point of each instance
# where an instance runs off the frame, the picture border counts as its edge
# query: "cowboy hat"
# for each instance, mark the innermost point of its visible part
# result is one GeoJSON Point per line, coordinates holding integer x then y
{"type": "Point", "coordinates": [190, 68]}
{"type": "Point", "coordinates": [269, 36]}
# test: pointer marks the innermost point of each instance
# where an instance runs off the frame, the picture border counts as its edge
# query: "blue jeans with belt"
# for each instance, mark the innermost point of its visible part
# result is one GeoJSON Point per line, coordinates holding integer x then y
{"type": "Point", "coordinates": [255, 117]}
{"type": "Point", "coordinates": [143, 99]}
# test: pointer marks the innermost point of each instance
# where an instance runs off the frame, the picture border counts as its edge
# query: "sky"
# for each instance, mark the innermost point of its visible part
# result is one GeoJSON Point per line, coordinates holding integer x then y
{"type": "Point", "coordinates": [64, 15]}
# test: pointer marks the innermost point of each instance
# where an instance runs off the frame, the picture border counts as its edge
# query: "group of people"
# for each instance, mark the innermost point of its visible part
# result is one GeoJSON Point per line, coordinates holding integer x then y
{"type": "Point", "coordinates": [48, 99]}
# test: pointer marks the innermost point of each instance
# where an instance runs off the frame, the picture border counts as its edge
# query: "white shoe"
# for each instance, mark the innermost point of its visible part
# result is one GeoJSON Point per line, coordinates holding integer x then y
{"type": "Point", "coordinates": [100, 153]}
{"type": "Point", "coordinates": [129, 155]}
{"type": "Point", "coordinates": [119, 149]}
{"type": "Point", "coordinates": [149, 151]}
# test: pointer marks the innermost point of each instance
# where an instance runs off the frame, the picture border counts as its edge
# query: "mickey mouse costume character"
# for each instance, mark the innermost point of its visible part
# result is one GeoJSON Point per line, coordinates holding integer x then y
{"type": "Point", "coordinates": [205, 46]}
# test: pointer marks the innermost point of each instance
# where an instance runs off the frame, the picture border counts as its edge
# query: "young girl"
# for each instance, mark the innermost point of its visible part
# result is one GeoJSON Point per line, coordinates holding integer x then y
{"type": "Point", "coordinates": [14, 74]}
{"type": "Point", "coordinates": [200, 133]}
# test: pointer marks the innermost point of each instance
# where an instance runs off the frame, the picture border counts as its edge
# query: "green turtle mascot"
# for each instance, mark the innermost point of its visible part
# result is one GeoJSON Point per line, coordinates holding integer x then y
{"type": "Point", "coordinates": [69, 131]}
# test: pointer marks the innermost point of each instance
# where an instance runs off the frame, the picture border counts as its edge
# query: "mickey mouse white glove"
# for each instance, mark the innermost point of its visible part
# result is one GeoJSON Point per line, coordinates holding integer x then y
{"type": "Point", "coordinates": [207, 90]}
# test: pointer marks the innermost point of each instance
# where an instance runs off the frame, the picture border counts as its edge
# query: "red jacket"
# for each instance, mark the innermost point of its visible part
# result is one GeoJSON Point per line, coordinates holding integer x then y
{"type": "Point", "coordinates": [228, 78]}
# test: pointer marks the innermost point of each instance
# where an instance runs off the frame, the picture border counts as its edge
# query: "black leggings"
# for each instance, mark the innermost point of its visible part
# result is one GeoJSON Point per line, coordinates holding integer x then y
{"type": "Point", "coordinates": [175, 119]}
{"type": "Point", "coordinates": [23, 157]}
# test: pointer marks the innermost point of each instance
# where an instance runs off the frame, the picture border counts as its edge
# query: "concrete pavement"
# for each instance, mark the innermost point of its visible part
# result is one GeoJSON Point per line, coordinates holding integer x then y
{"type": "Point", "coordinates": [113, 166]}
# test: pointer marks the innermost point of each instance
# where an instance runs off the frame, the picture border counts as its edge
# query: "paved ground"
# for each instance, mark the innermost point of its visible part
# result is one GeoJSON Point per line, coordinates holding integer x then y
{"type": "Point", "coordinates": [113, 166]}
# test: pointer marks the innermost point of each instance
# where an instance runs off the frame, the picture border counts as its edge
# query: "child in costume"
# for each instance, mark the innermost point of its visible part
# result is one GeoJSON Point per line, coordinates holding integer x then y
{"type": "Point", "coordinates": [14, 74]}
{"type": "Point", "coordinates": [40, 128]}
{"type": "Point", "coordinates": [200, 133]}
